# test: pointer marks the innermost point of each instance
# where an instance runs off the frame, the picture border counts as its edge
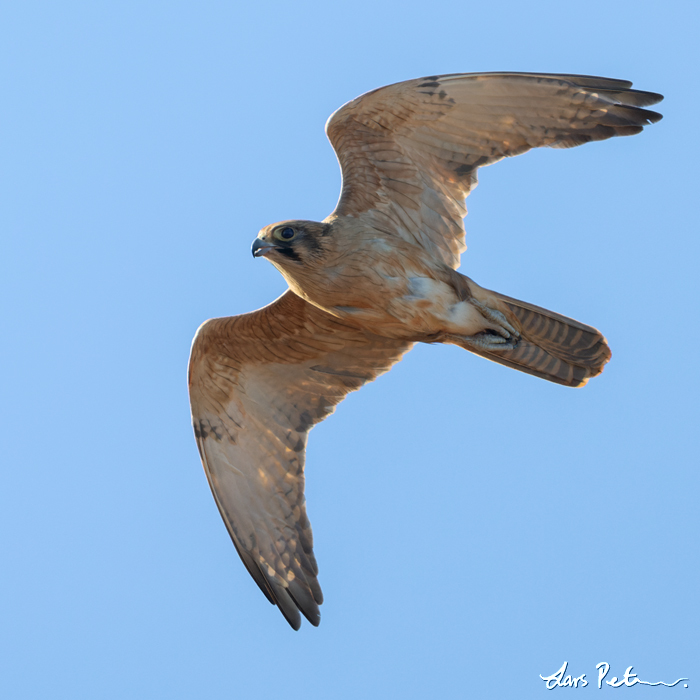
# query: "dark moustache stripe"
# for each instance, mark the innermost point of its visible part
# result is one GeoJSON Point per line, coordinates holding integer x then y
{"type": "Point", "coordinates": [290, 253]}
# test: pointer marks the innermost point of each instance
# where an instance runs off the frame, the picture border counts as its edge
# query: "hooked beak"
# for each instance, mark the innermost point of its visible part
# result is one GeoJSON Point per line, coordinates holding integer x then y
{"type": "Point", "coordinates": [261, 248]}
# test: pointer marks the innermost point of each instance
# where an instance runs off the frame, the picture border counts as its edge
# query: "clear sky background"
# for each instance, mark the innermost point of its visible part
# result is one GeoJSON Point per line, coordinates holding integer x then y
{"type": "Point", "coordinates": [475, 527]}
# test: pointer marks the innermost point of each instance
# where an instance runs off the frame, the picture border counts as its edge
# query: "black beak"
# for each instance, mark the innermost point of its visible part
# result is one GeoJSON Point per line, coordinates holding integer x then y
{"type": "Point", "coordinates": [261, 248]}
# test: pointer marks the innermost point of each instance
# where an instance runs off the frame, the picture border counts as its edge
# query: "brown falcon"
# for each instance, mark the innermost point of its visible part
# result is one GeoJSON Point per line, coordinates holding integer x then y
{"type": "Point", "coordinates": [373, 278]}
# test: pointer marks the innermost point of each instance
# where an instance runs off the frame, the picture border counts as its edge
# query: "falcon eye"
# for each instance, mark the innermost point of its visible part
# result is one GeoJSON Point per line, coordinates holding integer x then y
{"type": "Point", "coordinates": [285, 234]}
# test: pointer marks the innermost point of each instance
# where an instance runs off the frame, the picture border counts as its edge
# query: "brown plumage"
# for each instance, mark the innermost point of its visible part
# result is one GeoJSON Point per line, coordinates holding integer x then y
{"type": "Point", "coordinates": [373, 278]}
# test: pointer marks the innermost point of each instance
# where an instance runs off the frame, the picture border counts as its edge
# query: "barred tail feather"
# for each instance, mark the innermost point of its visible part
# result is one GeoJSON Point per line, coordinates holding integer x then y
{"type": "Point", "coordinates": [551, 346]}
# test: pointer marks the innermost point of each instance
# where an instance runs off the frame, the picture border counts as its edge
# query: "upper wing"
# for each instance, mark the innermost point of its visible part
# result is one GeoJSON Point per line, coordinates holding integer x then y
{"type": "Point", "coordinates": [258, 383]}
{"type": "Point", "coordinates": [409, 151]}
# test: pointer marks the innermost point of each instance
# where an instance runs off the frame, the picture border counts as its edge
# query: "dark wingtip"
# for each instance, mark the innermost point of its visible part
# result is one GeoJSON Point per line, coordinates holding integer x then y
{"type": "Point", "coordinates": [650, 98]}
{"type": "Point", "coordinates": [652, 117]}
{"type": "Point", "coordinates": [293, 620]}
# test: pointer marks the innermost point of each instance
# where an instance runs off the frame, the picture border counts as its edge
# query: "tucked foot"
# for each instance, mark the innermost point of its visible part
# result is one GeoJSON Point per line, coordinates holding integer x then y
{"type": "Point", "coordinates": [490, 340]}
{"type": "Point", "coordinates": [500, 323]}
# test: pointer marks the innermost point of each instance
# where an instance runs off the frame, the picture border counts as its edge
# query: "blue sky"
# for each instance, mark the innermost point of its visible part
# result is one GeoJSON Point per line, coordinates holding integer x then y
{"type": "Point", "coordinates": [475, 527]}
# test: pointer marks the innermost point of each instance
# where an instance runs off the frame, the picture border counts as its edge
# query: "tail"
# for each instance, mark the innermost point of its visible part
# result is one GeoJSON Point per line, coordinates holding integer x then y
{"type": "Point", "coordinates": [551, 346]}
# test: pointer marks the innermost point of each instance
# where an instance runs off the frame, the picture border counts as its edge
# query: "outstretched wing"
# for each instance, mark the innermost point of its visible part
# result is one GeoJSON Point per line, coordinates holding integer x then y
{"type": "Point", "coordinates": [409, 152]}
{"type": "Point", "coordinates": [258, 383]}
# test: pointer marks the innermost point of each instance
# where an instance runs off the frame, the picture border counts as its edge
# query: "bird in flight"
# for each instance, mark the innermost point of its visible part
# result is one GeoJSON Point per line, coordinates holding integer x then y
{"type": "Point", "coordinates": [374, 277]}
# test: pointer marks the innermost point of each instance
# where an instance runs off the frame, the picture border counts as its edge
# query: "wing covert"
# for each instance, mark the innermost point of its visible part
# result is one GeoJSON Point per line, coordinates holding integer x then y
{"type": "Point", "coordinates": [258, 383]}
{"type": "Point", "coordinates": [409, 152]}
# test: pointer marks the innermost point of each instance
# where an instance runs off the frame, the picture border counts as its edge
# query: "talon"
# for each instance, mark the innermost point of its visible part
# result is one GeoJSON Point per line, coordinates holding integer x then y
{"type": "Point", "coordinates": [503, 328]}
{"type": "Point", "coordinates": [489, 340]}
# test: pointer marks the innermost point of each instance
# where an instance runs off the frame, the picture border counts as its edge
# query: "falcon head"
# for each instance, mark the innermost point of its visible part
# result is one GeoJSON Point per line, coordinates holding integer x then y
{"type": "Point", "coordinates": [291, 243]}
